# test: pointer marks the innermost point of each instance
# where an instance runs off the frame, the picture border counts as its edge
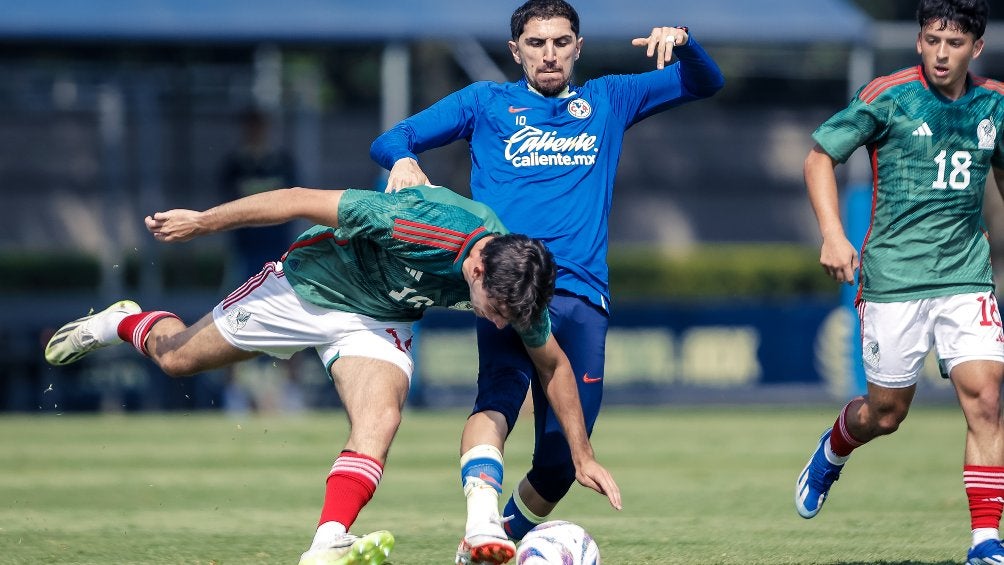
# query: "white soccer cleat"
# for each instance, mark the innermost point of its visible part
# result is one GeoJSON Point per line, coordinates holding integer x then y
{"type": "Point", "coordinates": [371, 549]}
{"type": "Point", "coordinates": [78, 338]}
{"type": "Point", "coordinates": [488, 545]}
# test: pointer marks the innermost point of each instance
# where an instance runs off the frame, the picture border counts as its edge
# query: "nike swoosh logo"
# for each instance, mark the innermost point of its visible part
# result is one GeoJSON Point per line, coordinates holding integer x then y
{"type": "Point", "coordinates": [486, 478]}
{"type": "Point", "coordinates": [589, 380]}
{"type": "Point", "coordinates": [515, 110]}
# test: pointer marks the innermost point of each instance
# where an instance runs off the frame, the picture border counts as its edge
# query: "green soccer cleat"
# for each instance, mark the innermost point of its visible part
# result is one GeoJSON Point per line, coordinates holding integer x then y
{"type": "Point", "coordinates": [81, 336]}
{"type": "Point", "coordinates": [371, 549]}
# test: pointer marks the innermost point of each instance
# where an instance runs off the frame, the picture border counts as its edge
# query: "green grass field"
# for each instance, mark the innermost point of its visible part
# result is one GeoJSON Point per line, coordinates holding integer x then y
{"type": "Point", "coordinates": [700, 485]}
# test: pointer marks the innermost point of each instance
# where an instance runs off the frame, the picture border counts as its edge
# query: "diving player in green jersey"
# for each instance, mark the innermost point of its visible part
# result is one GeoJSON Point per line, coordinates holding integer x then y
{"type": "Point", "coordinates": [933, 133]}
{"type": "Point", "coordinates": [351, 287]}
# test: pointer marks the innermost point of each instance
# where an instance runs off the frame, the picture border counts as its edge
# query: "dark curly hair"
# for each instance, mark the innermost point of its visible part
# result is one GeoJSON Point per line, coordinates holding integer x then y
{"type": "Point", "coordinates": [545, 10]}
{"type": "Point", "coordinates": [968, 16]}
{"type": "Point", "coordinates": [519, 275]}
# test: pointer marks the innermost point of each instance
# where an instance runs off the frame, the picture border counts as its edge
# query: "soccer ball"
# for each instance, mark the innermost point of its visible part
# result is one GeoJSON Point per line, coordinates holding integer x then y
{"type": "Point", "coordinates": [558, 543]}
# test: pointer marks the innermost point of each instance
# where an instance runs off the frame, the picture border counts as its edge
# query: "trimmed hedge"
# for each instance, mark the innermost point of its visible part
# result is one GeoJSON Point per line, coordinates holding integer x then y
{"type": "Point", "coordinates": [48, 271]}
{"type": "Point", "coordinates": [709, 271]}
{"type": "Point", "coordinates": [59, 271]}
{"type": "Point", "coordinates": [719, 271]}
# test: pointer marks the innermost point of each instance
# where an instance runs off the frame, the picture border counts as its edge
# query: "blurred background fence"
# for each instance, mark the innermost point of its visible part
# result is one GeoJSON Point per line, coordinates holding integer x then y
{"type": "Point", "coordinates": [110, 111]}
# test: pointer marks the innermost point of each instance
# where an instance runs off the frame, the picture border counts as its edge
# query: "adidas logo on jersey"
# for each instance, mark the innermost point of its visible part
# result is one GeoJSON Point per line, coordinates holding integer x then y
{"type": "Point", "coordinates": [923, 131]}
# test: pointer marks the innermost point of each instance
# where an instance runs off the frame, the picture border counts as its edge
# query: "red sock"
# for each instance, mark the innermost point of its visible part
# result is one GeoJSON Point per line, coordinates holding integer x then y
{"type": "Point", "coordinates": [135, 327]}
{"type": "Point", "coordinates": [985, 489]}
{"type": "Point", "coordinates": [841, 441]}
{"type": "Point", "coordinates": [353, 480]}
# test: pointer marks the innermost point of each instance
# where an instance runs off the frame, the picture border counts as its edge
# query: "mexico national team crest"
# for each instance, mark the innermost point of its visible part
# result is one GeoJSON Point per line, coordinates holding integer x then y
{"type": "Point", "coordinates": [986, 132]}
{"type": "Point", "coordinates": [871, 354]}
{"type": "Point", "coordinates": [580, 108]}
{"type": "Point", "coordinates": [237, 319]}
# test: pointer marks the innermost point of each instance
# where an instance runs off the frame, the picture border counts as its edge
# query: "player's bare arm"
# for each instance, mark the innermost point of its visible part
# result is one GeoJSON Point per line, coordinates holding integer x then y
{"type": "Point", "coordinates": [558, 381]}
{"type": "Point", "coordinates": [262, 209]}
{"type": "Point", "coordinates": [660, 43]}
{"type": "Point", "coordinates": [837, 256]}
{"type": "Point", "coordinates": [405, 172]}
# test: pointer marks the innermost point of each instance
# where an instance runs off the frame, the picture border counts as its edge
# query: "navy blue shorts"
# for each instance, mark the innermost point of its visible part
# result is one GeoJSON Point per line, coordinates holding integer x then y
{"type": "Point", "coordinates": [506, 372]}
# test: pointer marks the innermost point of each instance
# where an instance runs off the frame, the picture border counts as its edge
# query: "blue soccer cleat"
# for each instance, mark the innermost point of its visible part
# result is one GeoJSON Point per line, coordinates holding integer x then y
{"type": "Point", "coordinates": [990, 552]}
{"type": "Point", "coordinates": [814, 483]}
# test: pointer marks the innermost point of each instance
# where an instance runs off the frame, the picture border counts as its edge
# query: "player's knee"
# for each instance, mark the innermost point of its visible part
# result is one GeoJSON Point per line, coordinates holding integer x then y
{"type": "Point", "coordinates": [552, 483]}
{"type": "Point", "coordinates": [985, 407]}
{"type": "Point", "coordinates": [989, 401]}
{"type": "Point", "coordinates": [387, 419]}
{"type": "Point", "coordinates": [502, 390]}
{"type": "Point", "coordinates": [507, 416]}
{"type": "Point", "coordinates": [888, 422]}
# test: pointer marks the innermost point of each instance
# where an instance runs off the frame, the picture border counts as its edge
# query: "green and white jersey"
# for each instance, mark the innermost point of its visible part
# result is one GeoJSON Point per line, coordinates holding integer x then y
{"type": "Point", "coordinates": [392, 256]}
{"type": "Point", "coordinates": [930, 161]}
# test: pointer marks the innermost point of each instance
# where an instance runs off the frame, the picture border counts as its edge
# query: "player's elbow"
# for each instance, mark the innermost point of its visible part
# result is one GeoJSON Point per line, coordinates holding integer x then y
{"type": "Point", "coordinates": [714, 83]}
{"type": "Point", "coordinates": [706, 86]}
{"type": "Point", "coordinates": [712, 86]}
{"type": "Point", "coordinates": [817, 160]}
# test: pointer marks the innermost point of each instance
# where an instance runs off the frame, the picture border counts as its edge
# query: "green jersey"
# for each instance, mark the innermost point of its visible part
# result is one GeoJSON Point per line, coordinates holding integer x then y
{"type": "Point", "coordinates": [930, 160]}
{"type": "Point", "coordinates": [392, 256]}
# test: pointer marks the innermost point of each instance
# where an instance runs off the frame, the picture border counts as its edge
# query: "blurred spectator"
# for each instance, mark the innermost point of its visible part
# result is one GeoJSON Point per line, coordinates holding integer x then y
{"type": "Point", "coordinates": [254, 166]}
{"type": "Point", "coordinates": [257, 164]}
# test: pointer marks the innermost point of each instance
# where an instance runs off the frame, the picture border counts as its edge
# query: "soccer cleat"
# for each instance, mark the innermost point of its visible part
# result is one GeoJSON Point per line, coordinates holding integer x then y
{"type": "Point", "coordinates": [487, 552]}
{"type": "Point", "coordinates": [989, 552]}
{"type": "Point", "coordinates": [371, 549]}
{"type": "Point", "coordinates": [76, 339]}
{"type": "Point", "coordinates": [815, 481]}
{"type": "Point", "coordinates": [490, 546]}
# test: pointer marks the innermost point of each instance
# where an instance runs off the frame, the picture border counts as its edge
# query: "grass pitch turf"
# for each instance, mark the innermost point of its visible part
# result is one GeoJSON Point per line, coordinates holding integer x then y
{"type": "Point", "coordinates": [700, 485]}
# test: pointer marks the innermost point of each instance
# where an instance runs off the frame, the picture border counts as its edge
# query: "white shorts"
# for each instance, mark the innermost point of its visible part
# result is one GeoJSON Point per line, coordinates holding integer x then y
{"type": "Point", "coordinates": [897, 336]}
{"type": "Point", "coordinates": [265, 314]}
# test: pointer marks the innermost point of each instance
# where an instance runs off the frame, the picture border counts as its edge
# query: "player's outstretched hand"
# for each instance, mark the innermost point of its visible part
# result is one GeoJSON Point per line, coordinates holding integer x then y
{"type": "Point", "coordinates": [596, 477]}
{"type": "Point", "coordinates": [174, 225]}
{"type": "Point", "coordinates": [660, 43]}
{"type": "Point", "coordinates": [405, 173]}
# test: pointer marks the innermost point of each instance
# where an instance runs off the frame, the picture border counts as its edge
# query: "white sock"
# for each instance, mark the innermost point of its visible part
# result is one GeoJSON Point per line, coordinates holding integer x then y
{"type": "Point", "coordinates": [833, 457]}
{"type": "Point", "coordinates": [326, 534]}
{"type": "Point", "coordinates": [482, 497]}
{"type": "Point", "coordinates": [107, 331]}
{"type": "Point", "coordinates": [981, 535]}
{"type": "Point", "coordinates": [482, 505]}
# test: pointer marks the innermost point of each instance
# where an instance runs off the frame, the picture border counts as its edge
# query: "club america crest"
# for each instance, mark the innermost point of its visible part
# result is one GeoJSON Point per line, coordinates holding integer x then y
{"type": "Point", "coordinates": [580, 108]}
{"type": "Point", "coordinates": [986, 132]}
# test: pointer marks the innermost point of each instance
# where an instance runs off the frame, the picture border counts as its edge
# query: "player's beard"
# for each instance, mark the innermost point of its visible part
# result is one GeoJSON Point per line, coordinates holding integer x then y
{"type": "Point", "coordinates": [551, 88]}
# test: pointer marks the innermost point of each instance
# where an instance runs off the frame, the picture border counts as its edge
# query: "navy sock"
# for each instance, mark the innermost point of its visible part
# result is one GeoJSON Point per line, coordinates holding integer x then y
{"type": "Point", "coordinates": [519, 519]}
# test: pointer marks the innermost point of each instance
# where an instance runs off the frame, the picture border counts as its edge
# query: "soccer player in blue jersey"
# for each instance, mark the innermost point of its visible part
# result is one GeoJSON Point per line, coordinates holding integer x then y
{"type": "Point", "coordinates": [544, 155]}
{"type": "Point", "coordinates": [933, 133]}
{"type": "Point", "coordinates": [351, 287]}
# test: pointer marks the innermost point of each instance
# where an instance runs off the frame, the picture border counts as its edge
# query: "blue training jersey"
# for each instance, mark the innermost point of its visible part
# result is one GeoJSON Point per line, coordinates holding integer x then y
{"type": "Point", "coordinates": [546, 165]}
